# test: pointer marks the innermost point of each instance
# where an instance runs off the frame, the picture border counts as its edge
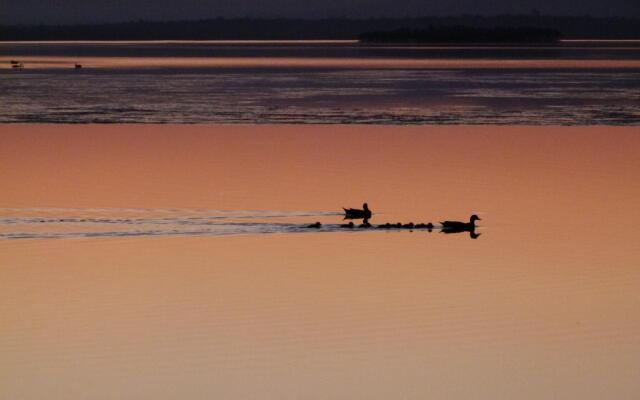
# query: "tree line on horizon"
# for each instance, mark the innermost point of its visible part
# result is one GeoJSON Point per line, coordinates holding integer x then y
{"type": "Point", "coordinates": [463, 34]}
{"type": "Point", "coordinates": [335, 28]}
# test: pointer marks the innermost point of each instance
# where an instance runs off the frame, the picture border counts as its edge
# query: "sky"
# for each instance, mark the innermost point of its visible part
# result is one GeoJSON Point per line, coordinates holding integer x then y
{"type": "Point", "coordinates": [73, 11]}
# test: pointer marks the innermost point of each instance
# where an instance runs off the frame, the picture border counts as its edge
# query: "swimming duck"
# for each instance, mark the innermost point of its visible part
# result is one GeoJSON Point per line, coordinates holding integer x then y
{"type": "Point", "coordinates": [349, 225]}
{"type": "Point", "coordinates": [461, 226]}
{"type": "Point", "coordinates": [458, 227]}
{"type": "Point", "coordinates": [354, 213]}
{"type": "Point", "coordinates": [317, 225]}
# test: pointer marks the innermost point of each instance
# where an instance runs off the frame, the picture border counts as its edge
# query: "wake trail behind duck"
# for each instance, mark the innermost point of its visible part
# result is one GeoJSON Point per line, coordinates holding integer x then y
{"type": "Point", "coordinates": [31, 223]}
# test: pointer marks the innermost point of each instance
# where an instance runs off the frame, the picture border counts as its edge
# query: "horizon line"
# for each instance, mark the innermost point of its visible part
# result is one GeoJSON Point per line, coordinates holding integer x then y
{"type": "Point", "coordinates": [336, 18]}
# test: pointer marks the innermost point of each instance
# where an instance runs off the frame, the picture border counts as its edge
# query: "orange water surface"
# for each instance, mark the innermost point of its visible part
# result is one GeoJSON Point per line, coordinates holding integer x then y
{"type": "Point", "coordinates": [544, 304]}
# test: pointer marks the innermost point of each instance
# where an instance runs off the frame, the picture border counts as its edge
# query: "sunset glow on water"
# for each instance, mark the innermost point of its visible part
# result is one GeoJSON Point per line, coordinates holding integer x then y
{"type": "Point", "coordinates": [547, 293]}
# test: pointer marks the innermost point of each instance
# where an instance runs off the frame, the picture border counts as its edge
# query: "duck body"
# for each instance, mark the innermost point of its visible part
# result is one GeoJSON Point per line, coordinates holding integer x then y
{"type": "Point", "coordinates": [456, 225]}
{"type": "Point", "coordinates": [460, 226]}
{"type": "Point", "coordinates": [355, 213]}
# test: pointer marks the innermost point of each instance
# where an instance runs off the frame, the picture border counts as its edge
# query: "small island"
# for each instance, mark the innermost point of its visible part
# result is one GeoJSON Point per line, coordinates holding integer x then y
{"type": "Point", "coordinates": [463, 34]}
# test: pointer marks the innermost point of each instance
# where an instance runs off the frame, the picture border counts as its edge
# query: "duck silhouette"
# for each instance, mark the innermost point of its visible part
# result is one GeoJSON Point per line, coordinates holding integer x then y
{"type": "Point", "coordinates": [317, 225]}
{"type": "Point", "coordinates": [354, 213]}
{"type": "Point", "coordinates": [457, 227]}
{"type": "Point", "coordinates": [465, 226]}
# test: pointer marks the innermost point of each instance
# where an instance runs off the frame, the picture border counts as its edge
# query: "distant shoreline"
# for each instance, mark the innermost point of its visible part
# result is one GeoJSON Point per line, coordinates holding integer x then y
{"type": "Point", "coordinates": [314, 29]}
{"type": "Point", "coordinates": [464, 34]}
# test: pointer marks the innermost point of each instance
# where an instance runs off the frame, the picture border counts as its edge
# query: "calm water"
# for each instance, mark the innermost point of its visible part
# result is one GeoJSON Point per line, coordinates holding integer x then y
{"type": "Point", "coordinates": [173, 261]}
{"type": "Point", "coordinates": [575, 83]}
{"type": "Point", "coordinates": [147, 261]}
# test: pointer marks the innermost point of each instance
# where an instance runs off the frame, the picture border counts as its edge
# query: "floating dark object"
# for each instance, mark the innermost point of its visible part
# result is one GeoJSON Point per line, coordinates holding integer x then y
{"type": "Point", "coordinates": [17, 65]}
{"type": "Point", "coordinates": [461, 225]}
{"type": "Point", "coordinates": [354, 213]}
{"type": "Point", "coordinates": [317, 225]}
{"type": "Point", "coordinates": [78, 66]}
{"type": "Point", "coordinates": [446, 226]}
{"type": "Point", "coordinates": [428, 226]}
{"type": "Point", "coordinates": [457, 227]}
{"type": "Point", "coordinates": [14, 62]}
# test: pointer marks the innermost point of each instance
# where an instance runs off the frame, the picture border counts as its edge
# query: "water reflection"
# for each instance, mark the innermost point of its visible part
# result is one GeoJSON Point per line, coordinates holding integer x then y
{"type": "Point", "coordinates": [472, 232]}
{"type": "Point", "coordinates": [331, 86]}
{"type": "Point", "coordinates": [355, 313]}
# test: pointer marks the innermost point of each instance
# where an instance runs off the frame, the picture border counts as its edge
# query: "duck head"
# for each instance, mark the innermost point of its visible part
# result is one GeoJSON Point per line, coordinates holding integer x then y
{"type": "Point", "coordinates": [475, 218]}
{"type": "Point", "coordinates": [365, 206]}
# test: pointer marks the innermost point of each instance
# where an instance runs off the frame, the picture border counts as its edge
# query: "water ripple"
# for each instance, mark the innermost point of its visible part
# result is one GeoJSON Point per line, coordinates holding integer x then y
{"type": "Point", "coordinates": [60, 223]}
{"type": "Point", "coordinates": [387, 96]}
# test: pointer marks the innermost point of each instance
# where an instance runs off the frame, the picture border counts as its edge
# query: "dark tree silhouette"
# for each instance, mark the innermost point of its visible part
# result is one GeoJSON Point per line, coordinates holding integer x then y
{"type": "Point", "coordinates": [463, 34]}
